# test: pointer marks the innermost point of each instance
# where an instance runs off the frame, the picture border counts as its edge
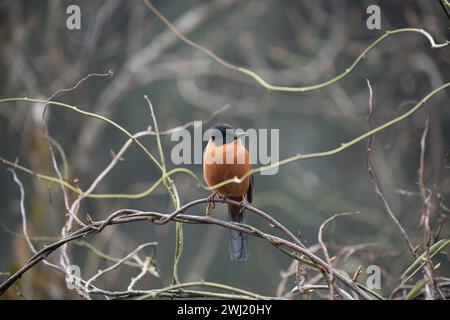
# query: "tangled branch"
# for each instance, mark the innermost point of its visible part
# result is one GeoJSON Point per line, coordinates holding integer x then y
{"type": "Point", "coordinates": [123, 216]}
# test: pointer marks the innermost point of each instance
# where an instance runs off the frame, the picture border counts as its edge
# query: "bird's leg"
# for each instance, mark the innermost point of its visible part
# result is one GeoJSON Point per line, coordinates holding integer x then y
{"type": "Point", "coordinates": [211, 205]}
{"type": "Point", "coordinates": [242, 205]}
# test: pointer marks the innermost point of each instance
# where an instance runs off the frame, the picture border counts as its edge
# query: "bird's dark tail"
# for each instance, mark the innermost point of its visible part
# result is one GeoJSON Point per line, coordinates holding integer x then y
{"type": "Point", "coordinates": [238, 242]}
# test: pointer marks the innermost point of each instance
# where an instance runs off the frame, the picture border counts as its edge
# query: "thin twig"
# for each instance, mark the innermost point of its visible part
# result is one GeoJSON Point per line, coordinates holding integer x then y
{"type": "Point", "coordinates": [24, 219]}
{"type": "Point", "coordinates": [110, 73]}
{"type": "Point", "coordinates": [143, 272]}
{"type": "Point", "coordinates": [117, 264]}
{"type": "Point", "coordinates": [374, 180]}
{"type": "Point", "coordinates": [430, 286]}
{"type": "Point", "coordinates": [326, 254]}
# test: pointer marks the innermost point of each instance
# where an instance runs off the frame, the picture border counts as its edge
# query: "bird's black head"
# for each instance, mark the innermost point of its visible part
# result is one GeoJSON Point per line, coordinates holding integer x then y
{"type": "Point", "coordinates": [222, 133]}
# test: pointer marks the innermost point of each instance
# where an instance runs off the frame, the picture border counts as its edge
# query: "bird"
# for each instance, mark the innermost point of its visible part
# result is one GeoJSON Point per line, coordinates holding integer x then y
{"type": "Point", "coordinates": [224, 144]}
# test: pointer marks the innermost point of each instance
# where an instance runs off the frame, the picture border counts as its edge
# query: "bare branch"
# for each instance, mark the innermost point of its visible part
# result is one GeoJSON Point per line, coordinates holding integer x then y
{"type": "Point", "coordinates": [374, 180]}
{"type": "Point", "coordinates": [130, 215]}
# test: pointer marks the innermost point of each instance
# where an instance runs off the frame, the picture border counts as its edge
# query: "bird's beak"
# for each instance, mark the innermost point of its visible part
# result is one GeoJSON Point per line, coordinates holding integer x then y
{"type": "Point", "coordinates": [240, 134]}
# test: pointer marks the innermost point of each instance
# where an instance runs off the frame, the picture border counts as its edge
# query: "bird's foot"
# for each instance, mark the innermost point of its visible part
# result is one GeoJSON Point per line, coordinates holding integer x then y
{"type": "Point", "coordinates": [242, 206]}
{"type": "Point", "coordinates": [211, 204]}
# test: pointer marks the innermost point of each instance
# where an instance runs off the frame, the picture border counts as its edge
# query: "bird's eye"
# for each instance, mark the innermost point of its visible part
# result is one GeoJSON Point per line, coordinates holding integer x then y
{"type": "Point", "coordinates": [213, 138]}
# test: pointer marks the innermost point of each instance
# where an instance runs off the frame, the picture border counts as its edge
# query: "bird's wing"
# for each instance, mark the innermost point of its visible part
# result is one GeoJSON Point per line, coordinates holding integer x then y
{"type": "Point", "coordinates": [249, 194]}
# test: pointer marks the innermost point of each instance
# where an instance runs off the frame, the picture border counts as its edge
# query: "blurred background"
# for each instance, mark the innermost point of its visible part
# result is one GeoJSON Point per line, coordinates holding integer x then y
{"type": "Point", "coordinates": [289, 43]}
